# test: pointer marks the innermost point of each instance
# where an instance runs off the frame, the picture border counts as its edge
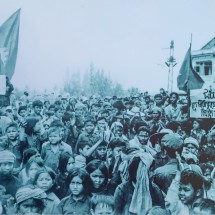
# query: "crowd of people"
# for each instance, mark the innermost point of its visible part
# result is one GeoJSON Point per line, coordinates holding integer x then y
{"type": "Point", "coordinates": [139, 155]}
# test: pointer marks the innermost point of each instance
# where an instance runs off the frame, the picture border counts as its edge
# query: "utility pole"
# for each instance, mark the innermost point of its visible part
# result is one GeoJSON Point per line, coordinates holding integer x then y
{"type": "Point", "coordinates": [171, 63]}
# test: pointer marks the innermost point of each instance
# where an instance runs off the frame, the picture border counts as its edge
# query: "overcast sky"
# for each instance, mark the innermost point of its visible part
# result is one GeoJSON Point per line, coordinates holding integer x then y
{"type": "Point", "coordinates": [125, 38]}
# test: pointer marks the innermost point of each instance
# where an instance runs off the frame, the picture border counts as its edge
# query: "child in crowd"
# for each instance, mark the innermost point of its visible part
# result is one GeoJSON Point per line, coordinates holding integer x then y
{"type": "Point", "coordinates": [102, 204]}
{"type": "Point", "coordinates": [52, 149]}
{"type": "Point", "coordinates": [66, 164]}
{"type": "Point", "coordinates": [10, 182]}
{"type": "Point", "coordinates": [186, 189]}
{"type": "Point", "coordinates": [33, 165]}
{"type": "Point", "coordinates": [45, 180]}
{"type": "Point", "coordinates": [29, 201]}
{"type": "Point", "coordinates": [208, 173]}
{"type": "Point", "coordinates": [88, 134]}
{"type": "Point", "coordinates": [99, 176]}
{"type": "Point", "coordinates": [78, 202]}
{"type": "Point", "coordinates": [13, 143]}
{"type": "Point", "coordinates": [27, 154]}
{"type": "Point", "coordinates": [37, 106]}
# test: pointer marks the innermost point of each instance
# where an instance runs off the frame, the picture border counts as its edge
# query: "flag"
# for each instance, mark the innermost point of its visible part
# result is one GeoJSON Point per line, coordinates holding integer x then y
{"type": "Point", "coordinates": [9, 37]}
{"type": "Point", "coordinates": [188, 78]}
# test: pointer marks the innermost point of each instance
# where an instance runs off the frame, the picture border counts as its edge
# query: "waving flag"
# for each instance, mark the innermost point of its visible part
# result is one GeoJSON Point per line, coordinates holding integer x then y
{"type": "Point", "coordinates": [9, 37]}
{"type": "Point", "coordinates": [188, 78]}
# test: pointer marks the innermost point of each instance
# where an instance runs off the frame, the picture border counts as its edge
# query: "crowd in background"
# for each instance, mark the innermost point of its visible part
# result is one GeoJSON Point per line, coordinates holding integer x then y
{"type": "Point", "coordinates": [140, 155]}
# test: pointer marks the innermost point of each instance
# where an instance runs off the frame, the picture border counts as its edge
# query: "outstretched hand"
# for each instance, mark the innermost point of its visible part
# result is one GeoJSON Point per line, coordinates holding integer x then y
{"type": "Point", "coordinates": [180, 164]}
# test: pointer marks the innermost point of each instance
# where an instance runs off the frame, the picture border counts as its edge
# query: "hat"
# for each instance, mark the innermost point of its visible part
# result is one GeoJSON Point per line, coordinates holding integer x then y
{"type": "Point", "coordinates": [173, 141]}
{"type": "Point", "coordinates": [27, 193]}
{"type": "Point", "coordinates": [7, 156]}
{"type": "Point", "coordinates": [134, 111]}
{"type": "Point", "coordinates": [153, 138]}
{"type": "Point", "coordinates": [191, 140]}
{"type": "Point", "coordinates": [195, 168]}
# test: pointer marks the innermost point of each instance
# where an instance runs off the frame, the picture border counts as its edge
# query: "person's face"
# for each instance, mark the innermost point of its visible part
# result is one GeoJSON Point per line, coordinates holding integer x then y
{"type": "Point", "coordinates": [32, 170]}
{"type": "Point", "coordinates": [186, 193]}
{"type": "Point", "coordinates": [155, 115]}
{"type": "Point", "coordinates": [143, 137]}
{"type": "Point", "coordinates": [89, 127]}
{"type": "Point", "coordinates": [28, 206]}
{"type": "Point", "coordinates": [97, 178]}
{"type": "Point", "coordinates": [70, 165]}
{"type": "Point", "coordinates": [44, 181]}
{"type": "Point", "coordinates": [119, 131]}
{"type": "Point", "coordinates": [76, 186]}
{"type": "Point", "coordinates": [173, 99]}
{"type": "Point", "coordinates": [102, 209]}
{"type": "Point", "coordinates": [191, 148]}
{"type": "Point", "coordinates": [101, 151]}
{"type": "Point", "coordinates": [54, 138]}
{"type": "Point", "coordinates": [12, 133]}
{"type": "Point", "coordinates": [23, 113]}
{"type": "Point", "coordinates": [117, 151]}
{"type": "Point", "coordinates": [84, 150]}
{"type": "Point", "coordinates": [195, 125]}
{"type": "Point", "coordinates": [102, 124]}
{"type": "Point", "coordinates": [38, 109]}
{"type": "Point", "coordinates": [6, 168]}
{"type": "Point", "coordinates": [59, 113]}
{"type": "Point", "coordinates": [9, 113]}
{"type": "Point", "coordinates": [158, 100]}
{"type": "Point", "coordinates": [79, 112]}
{"type": "Point", "coordinates": [207, 177]}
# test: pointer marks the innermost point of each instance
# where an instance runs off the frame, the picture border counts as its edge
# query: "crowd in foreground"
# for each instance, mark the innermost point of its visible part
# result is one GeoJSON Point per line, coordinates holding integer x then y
{"type": "Point", "coordinates": [136, 155]}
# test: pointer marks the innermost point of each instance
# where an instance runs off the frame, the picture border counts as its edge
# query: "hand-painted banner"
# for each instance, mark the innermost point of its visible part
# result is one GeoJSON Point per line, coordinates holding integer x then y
{"type": "Point", "coordinates": [202, 103]}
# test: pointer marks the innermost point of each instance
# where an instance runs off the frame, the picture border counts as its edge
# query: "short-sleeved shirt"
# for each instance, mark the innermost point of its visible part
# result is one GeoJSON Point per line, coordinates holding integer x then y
{"type": "Point", "coordinates": [70, 206]}
{"type": "Point", "coordinates": [51, 158]}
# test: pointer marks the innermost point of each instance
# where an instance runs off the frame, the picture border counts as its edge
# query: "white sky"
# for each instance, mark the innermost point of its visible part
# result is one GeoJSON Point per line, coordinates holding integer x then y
{"type": "Point", "coordinates": [125, 38]}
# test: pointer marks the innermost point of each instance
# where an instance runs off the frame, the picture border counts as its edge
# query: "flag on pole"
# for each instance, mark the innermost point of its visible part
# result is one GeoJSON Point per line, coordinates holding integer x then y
{"type": "Point", "coordinates": [9, 37]}
{"type": "Point", "coordinates": [188, 78]}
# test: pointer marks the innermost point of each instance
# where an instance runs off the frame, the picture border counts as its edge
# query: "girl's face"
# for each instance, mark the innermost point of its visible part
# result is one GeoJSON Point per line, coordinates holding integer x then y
{"type": "Point", "coordinates": [12, 133]}
{"type": "Point", "coordinates": [97, 178]}
{"type": "Point", "coordinates": [32, 170]}
{"type": "Point", "coordinates": [195, 125]}
{"type": "Point", "coordinates": [76, 186]}
{"type": "Point", "coordinates": [44, 181]}
{"type": "Point", "coordinates": [186, 193]}
{"type": "Point", "coordinates": [70, 164]}
{"type": "Point", "coordinates": [28, 206]}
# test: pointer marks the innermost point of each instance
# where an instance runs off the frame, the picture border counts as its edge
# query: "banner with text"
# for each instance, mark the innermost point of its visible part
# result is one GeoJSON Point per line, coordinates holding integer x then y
{"type": "Point", "coordinates": [202, 103]}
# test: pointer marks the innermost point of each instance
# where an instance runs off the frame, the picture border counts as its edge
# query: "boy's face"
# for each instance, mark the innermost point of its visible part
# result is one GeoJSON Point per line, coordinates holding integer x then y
{"type": "Point", "coordinates": [12, 133]}
{"type": "Point", "coordinates": [102, 209]}
{"type": "Point", "coordinates": [101, 151]}
{"type": "Point", "coordinates": [6, 168]}
{"type": "Point", "coordinates": [38, 109]}
{"type": "Point", "coordinates": [23, 113]}
{"type": "Point", "coordinates": [28, 206]}
{"type": "Point", "coordinates": [102, 124]}
{"type": "Point", "coordinates": [62, 132]}
{"type": "Point", "coordinates": [187, 194]}
{"type": "Point", "coordinates": [59, 114]}
{"type": "Point", "coordinates": [158, 100]}
{"type": "Point", "coordinates": [54, 138]}
{"type": "Point", "coordinates": [143, 137]}
{"type": "Point", "coordinates": [119, 131]}
{"type": "Point", "coordinates": [84, 150]}
{"type": "Point", "coordinates": [89, 127]}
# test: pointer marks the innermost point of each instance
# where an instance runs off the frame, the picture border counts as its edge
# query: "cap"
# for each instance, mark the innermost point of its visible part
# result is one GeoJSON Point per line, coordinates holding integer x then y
{"type": "Point", "coordinates": [153, 138]}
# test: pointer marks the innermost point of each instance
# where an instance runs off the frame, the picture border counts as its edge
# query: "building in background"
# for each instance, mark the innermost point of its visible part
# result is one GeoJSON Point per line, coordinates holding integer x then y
{"type": "Point", "coordinates": [203, 61]}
